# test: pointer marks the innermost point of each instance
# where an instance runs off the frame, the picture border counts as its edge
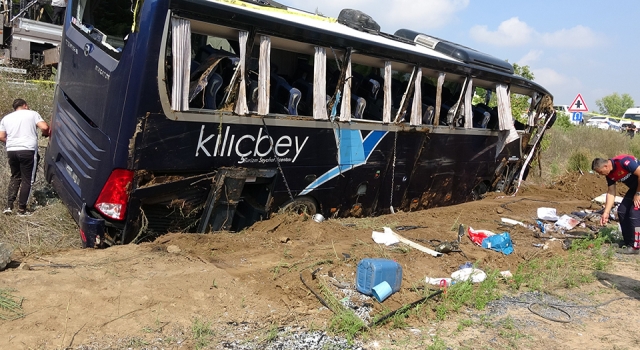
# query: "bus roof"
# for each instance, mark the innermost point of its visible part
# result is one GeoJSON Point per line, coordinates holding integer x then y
{"type": "Point", "coordinates": [380, 44]}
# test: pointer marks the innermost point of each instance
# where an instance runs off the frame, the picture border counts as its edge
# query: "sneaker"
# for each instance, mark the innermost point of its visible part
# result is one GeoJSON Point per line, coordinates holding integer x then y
{"type": "Point", "coordinates": [24, 212]}
{"type": "Point", "coordinates": [7, 211]}
{"type": "Point", "coordinates": [628, 250]}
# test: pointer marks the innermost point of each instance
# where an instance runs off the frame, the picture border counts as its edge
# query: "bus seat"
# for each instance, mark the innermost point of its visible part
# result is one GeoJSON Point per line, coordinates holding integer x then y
{"type": "Point", "coordinates": [211, 93]}
{"type": "Point", "coordinates": [360, 104]}
{"type": "Point", "coordinates": [429, 113]}
{"type": "Point", "coordinates": [306, 99]}
{"type": "Point", "coordinates": [285, 97]}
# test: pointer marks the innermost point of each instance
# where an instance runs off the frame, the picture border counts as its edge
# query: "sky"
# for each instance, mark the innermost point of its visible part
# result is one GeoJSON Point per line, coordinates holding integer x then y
{"type": "Point", "coordinates": [585, 47]}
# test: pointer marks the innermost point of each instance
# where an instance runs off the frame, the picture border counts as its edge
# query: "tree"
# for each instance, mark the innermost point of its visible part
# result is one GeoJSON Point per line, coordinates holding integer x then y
{"type": "Point", "coordinates": [520, 103]}
{"type": "Point", "coordinates": [614, 104]}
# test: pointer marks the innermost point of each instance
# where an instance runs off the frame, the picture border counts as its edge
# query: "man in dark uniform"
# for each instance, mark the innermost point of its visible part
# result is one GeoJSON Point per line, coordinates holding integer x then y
{"type": "Point", "coordinates": [622, 168]}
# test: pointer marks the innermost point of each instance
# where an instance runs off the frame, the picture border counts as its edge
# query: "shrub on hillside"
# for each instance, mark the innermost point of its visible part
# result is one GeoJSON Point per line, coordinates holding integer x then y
{"type": "Point", "coordinates": [579, 161]}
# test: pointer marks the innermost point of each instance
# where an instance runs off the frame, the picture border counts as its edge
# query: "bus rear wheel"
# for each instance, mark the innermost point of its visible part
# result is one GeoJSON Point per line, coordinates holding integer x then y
{"type": "Point", "coordinates": [301, 205]}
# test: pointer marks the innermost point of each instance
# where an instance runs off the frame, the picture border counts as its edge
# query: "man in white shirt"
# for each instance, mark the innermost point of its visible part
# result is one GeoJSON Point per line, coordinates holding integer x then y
{"type": "Point", "coordinates": [19, 131]}
{"type": "Point", "coordinates": [59, 9]}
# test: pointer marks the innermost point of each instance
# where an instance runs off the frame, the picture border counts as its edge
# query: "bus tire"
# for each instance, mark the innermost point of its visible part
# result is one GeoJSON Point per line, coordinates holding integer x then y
{"type": "Point", "coordinates": [300, 205]}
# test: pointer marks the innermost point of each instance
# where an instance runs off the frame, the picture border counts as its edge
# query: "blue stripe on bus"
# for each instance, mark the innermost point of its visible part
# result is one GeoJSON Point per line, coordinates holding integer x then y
{"type": "Point", "coordinates": [353, 152]}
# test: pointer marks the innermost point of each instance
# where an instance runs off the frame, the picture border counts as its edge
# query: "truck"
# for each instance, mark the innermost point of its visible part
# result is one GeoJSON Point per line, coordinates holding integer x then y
{"type": "Point", "coordinates": [27, 37]}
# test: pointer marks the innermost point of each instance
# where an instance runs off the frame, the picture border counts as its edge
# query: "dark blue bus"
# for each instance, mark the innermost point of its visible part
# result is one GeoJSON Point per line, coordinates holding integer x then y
{"type": "Point", "coordinates": [206, 115]}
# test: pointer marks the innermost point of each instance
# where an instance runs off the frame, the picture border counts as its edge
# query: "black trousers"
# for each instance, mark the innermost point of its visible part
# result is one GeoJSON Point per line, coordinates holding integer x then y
{"type": "Point", "coordinates": [58, 15]}
{"type": "Point", "coordinates": [23, 166]}
{"type": "Point", "coordinates": [629, 218]}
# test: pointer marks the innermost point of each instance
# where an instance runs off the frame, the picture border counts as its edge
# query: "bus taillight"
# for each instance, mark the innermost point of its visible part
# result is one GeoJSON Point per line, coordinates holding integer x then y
{"type": "Point", "coordinates": [112, 200]}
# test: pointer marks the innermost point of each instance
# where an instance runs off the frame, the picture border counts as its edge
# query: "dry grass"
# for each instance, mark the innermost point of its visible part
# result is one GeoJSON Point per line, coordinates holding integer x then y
{"type": "Point", "coordinates": [566, 147]}
{"type": "Point", "coordinates": [51, 227]}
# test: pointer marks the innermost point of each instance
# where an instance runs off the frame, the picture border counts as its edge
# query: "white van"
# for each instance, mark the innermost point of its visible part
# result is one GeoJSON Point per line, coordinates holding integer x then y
{"type": "Point", "coordinates": [632, 114]}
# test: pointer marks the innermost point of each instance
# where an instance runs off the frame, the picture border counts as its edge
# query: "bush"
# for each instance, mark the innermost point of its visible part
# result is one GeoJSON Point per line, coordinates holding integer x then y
{"type": "Point", "coordinates": [563, 122]}
{"type": "Point", "coordinates": [579, 161]}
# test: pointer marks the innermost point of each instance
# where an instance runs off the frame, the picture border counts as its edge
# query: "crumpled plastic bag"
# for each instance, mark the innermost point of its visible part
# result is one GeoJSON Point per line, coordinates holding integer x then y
{"type": "Point", "coordinates": [548, 214]}
{"type": "Point", "coordinates": [477, 236]}
{"type": "Point", "coordinates": [567, 222]}
{"type": "Point", "coordinates": [469, 274]}
{"type": "Point", "coordinates": [387, 237]}
{"type": "Point", "coordinates": [500, 243]}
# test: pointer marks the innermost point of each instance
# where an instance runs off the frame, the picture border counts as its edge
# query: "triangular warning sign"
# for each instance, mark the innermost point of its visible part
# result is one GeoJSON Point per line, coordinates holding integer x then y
{"type": "Point", "coordinates": [578, 105]}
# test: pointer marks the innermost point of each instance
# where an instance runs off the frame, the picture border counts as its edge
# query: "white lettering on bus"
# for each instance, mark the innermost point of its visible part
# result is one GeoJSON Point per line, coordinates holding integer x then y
{"type": "Point", "coordinates": [250, 148]}
{"type": "Point", "coordinates": [70, 45]}
{"type": "Point", "coordinates": [103, 73]}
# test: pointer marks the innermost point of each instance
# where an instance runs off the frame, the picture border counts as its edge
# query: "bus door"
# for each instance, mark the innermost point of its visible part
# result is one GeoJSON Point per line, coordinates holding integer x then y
{"type": "Point", "coordinates": [89, 98]}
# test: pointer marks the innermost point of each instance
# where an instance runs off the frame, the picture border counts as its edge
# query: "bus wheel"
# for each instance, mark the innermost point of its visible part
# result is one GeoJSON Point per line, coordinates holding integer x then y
{"type": "Point", "coordinates": [301, 205]}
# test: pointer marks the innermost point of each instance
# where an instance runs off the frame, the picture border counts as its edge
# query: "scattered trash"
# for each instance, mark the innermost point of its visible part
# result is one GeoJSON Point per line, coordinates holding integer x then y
{"type": "Point", "coordinates": [544, 246]}
{"type": "Point", "coordinates": [469, 274]}
{"type": "Point", "coordinates": [601, 199]}
{"type": "Point", "coordinates": [438, 281]}
{"type": "Point", "coordinates": [464, 274]}
{"type": "Point", "coordinates": [448, 247]}
{"type": "Point", "coordinates": [506, 274]}
{"type": "Point", "coordinates": [387, 237]}
{"type": "Point", "coordinates": [478, 236]}
{"type": "Point", "coordinates": [543, 227]}
{"type": "Point", "coordinates": [407, 228]}
{"type": "Point", "coordinates": [512, 222]}
{"type": "Point", "coordinates": [466, 265]}
{"type": "Point", "coordinates": [548, 214]}
{"type": "Point", "coordinates": [567, 222]}
{"type": "Point", "coordinates": [372, 272]}
{"type": "Point", "coordinates": [500, 243]}
{"type": "Point", "coordinates": [318, 217]}
{"type": "Point", "coordinates": [382, 291]}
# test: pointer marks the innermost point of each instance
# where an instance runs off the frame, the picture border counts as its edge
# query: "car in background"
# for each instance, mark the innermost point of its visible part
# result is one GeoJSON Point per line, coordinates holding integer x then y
{"type": "Point", "coordinates": [604, 122]}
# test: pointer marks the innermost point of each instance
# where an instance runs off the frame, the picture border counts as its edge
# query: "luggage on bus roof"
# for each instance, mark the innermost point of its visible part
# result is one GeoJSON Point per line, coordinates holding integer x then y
{"type": "Point", "coordinates": [358, 20]}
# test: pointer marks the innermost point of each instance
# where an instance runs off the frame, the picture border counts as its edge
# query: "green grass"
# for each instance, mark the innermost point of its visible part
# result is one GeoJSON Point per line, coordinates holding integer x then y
{"type": "Point", "coordinates": [467, 294]}
{"type": "Point", "coordinates": [10, 306]}
{"type": "Point", "coordinates": [572, 270]}
{"type": "Point", "coordinates": [202, 333]}
{"type": "Point", "coordinates": [343, 321]}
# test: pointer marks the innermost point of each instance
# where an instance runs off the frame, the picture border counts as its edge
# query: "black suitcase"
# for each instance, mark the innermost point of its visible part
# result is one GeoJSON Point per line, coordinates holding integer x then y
{"type": "Point", "coordinates": [358, 20]}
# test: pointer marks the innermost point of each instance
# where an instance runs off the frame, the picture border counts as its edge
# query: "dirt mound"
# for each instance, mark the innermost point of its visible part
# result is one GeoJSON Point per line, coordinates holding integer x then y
{"type": "Point", "coordinates": [584, 186]}
{"type": "Point", "coordinates": [249, 282]}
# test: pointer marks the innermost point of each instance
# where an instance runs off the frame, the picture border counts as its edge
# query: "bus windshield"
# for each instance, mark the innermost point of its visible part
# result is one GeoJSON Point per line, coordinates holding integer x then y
{"type": "Point", "coordinates": [107, 23]}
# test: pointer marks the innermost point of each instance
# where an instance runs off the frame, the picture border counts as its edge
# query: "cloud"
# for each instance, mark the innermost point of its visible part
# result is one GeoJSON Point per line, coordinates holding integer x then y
{"type": "Point", "coordinates": [512, 32]}
{"type": "Point", "coordinates": [530, 57]}
{"type": "Point", "coordinates": [577, 37]}
{"type": "Point", "coordinates": [392, 15]}
{"type": "Point", "coordinates": [549, 77]}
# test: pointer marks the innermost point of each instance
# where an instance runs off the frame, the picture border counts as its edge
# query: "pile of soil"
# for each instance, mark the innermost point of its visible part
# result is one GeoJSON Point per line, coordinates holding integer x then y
{"type": "Point", "coordinates": [244, 284]}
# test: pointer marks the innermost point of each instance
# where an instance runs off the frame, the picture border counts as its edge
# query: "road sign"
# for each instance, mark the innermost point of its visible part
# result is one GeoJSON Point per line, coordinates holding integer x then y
{"type": "Point", "coordinates": [578, 105]}
{"type": "Point", "coordinates": [576, 117]}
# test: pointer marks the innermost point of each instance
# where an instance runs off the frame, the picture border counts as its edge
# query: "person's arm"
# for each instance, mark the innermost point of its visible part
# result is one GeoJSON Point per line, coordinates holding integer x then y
{"type": "Point", "coordinates": [609, 202]}
{"type": "Point", "coordinates": [44, 127]}
{"type": "Point", "coordinates": [636, 197]}
{"type": "Point", "coordinates": [3, 136]}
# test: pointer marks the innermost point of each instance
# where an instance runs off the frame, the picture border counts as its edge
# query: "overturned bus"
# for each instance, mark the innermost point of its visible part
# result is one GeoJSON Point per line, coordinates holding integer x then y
{"type": "Point", "coordinates": [206, 115]}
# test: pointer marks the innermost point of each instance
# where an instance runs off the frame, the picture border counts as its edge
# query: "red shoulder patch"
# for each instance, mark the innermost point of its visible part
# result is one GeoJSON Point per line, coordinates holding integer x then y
{"type": "Point", "coordinates": [626, 162]}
